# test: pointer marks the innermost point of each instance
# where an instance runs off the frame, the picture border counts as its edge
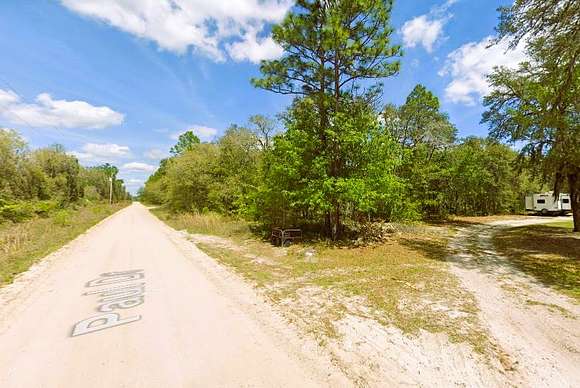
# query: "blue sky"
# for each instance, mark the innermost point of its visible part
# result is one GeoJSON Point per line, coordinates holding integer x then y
{"type": "Point", "coordinates": [114, 82]}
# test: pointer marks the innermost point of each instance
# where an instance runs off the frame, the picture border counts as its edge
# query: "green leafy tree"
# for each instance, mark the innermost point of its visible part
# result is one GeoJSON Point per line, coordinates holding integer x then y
{"type": "Point", "coordinates": [239, 169]}
{"type": "Point", "coordinates": [481, 179]}
{"type": "Point", "coordinates": [155, 189]}
{"type": "Point", "coordinates": [298, 186]}
{"type": "Point", "coordinates": [97, 183]}
{"type": "Point", "coordinates": [39, 181]}
{"type": "Point", "coordinates": [419, 121]}
{"type": "Point", "coordinates": [61, 173]}
{"type": "Point", "coordinates": [109, 170]}
{"type": "Point", "coordinates": [185, 142]}
{"type": "Point", "coordinates": [264, 128]}
{"type": "Point", "coordinates": [330, 46]}
{"type": "Point", "coordinates": [217, 176]}
{"type": "Point", "coordinates": [12, 153]}
{"type": "Point", "coordinates": [190, 176]}
{"type": "Point", "coordinates": [424, 134]}
{"type": "Point", "coordinates": [537, 104]}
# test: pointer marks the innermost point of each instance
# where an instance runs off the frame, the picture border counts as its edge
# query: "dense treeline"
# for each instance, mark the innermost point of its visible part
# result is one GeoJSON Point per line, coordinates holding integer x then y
{"type": "Point", "coordinates": [402, 166]}
{"type": "Point", "coordinates": [38, 181]}
{"type": "Point", "coordinates": [537, 104]}
{"type": "Point", "coordinates": [343, 159]}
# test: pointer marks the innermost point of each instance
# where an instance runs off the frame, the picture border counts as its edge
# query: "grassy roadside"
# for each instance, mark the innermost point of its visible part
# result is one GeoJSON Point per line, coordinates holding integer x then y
{"type": "Point", "coordinates": [23, 244]}
{"type": "Point", "coordinates": [402, 282]}
{"type": "Point", "coordinates": [548, 252]}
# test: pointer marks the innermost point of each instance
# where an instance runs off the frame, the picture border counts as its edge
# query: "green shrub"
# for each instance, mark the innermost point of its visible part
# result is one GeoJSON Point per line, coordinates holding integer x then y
{"type": "Point", "coordinates": [62, 218]}
{"type": "Point", "coordinates": [44, 208]}
{"type": "Point", "coordinates": [22, 211]}
{"type": "Point", "coordinates": [16, 212]}
{"type": "Point", "coordinates": [91, 193]}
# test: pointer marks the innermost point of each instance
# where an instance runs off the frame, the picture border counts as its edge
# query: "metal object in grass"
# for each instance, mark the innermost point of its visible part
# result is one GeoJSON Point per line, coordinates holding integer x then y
{"type": "Point", "coordinates": [285, 237]}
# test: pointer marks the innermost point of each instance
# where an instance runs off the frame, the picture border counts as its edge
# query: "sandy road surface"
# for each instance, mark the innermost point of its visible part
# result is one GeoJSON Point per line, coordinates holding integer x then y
{"type": "Point", "coordinates": [537, 328]}
{"type": "Point", "coordinates": [163, 315]}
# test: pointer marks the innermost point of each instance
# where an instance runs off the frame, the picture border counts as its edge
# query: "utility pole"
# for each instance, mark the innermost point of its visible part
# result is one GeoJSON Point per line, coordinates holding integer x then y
{"type": "Point", "coordinates": [110, 190]}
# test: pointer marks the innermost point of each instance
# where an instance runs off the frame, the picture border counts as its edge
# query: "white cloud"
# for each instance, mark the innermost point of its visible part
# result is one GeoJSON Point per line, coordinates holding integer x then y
{"type": "Point", "coordinates": [47, 112]}
{"type": "Point", "coordinates": [134, 181]}
{"type": "Point", "coordinates": [470, 64]}
{"type": "Point", "coordinates": [204, 133]}
{"type": "Point", "coordinates": [178, 25]}
{"type": "Point", "coordinates": [423, 31]}
{"type": "Point", "coordinates": [155, 154]}
{"type": "Point", "coordinates": [83, 156]}
{"type": "Point", "coordinates": [254, 49]}
{"type": "Point", "coordinates": [92, 152]}
{"type": "Point", "coordinates": [426, 30]}
{"type": "Point", "coordinates": [7, 97]}
{"type": "Point", "coordinates": [139, 167]}
{"type": "Point", "coordinates": [106, 150]}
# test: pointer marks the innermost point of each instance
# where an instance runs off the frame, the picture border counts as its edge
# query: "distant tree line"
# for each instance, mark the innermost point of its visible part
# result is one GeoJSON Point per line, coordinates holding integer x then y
{"type": "Point", "coordinates": [38, 181]}
{"type": "Point", "coordinates": [279, 179]}
{"type": "Point", "coordinates": [342, 158]}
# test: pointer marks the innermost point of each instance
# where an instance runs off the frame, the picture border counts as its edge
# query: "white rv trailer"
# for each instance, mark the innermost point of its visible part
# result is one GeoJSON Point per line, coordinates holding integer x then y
{"type": "Point", "coordinates": [545, 203]}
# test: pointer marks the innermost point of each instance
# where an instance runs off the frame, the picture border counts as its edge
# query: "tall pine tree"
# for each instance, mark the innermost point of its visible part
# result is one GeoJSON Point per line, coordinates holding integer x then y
{"type": "Point", "coordinates": [330, 47]}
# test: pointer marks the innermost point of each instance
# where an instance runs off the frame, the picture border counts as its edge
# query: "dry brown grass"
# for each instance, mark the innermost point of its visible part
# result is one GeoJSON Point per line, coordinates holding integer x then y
{"type": "Point", "coordinates": [206, 223]}
{"type": "Point", "coordinates": [402, 282]}
{"type": "Point", "coordinates": [550, 253]}
{"type": "Point", "coordinates": [22, 244]}
{"type": "Point", "coordinates": [474, 220]}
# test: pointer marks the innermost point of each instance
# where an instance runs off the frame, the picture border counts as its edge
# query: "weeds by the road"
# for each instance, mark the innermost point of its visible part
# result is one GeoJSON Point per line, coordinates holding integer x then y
{"type": "Point", "coordinates": [22, 244]}
{"type": "Point", "coordinates": [207, 223]}
{"type": "Point", "coordinates": [402, 282]}
{"type": "Point", "coordinates": [550, 253]}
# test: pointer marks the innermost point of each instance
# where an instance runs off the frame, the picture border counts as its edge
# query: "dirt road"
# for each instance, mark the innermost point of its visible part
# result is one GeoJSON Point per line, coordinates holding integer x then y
{"type": "Point", "coordinates": [536, 327]}
{"type": "Point", "coordinates": [133, 304]}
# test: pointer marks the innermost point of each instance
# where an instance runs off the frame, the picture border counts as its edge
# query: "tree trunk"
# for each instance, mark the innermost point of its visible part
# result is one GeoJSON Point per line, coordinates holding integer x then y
{"type": "Point", "coordinates": [574, 183]}
{"type": "Point", "coordinates": [336, 222]}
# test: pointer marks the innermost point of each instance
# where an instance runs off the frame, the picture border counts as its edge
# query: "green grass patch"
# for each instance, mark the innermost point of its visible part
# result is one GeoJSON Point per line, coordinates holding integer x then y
{"type": "Point", "coordinates": [569, 225]}
{"type": "Point", "coordinates": [259, 276]}
{"type": "Point", "coordinates": [23, 244]}
{"type": "Point", "coordinates": [550, 253]}
{"type": "Point", "coordinates": [404, 281]}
